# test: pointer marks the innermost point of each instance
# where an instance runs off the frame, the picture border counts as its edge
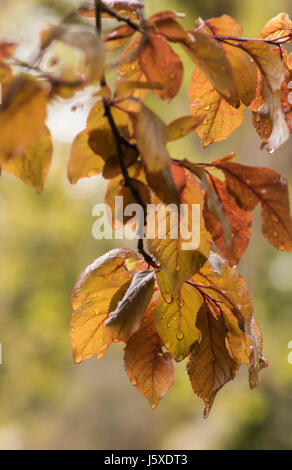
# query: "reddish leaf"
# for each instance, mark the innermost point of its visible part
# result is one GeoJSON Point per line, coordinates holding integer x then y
{"type": "Point", "coordinates": [240, 222]}
{"type": "Point", "coordinates": [250, 186]}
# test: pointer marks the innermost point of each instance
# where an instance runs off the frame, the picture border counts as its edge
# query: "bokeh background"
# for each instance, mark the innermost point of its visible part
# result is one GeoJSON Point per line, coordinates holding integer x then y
{"type": "Point", "coordinates": [47, 402]}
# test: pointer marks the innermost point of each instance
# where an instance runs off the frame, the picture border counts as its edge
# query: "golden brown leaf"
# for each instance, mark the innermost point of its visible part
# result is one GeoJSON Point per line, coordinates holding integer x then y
{"type": "Point", "coordinates": [149, 369]}
{"type": "Point", "coordinates": [151, 135]}
{"type": "Point", "coordinates": [166, 24]}
{"type": "Point", "coordinates": [277, 27]}
{"type": "Point", "coordinates": [210, 57]}
{"type": "Point", "coordinates": [210, 367]}
{"type": "Point", "coordinates": [244, 68]}
{"type": "Point", "coordinates": [91, 300]}
{"type": "Point", "coordinates": [221, 118]}
{"type": "Point", "coordinates": [161, 64]}
{"type": "Point", "coordinates": [178, 264]}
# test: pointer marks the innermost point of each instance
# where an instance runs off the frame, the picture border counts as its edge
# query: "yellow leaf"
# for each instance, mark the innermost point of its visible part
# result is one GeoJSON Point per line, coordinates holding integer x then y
{"type": "Point", "coordinates": [83, 161]}
{"type": "Point", "coordinates": [91, 301]}
{"type": "Point", "coordinates": [22, 116]}
{"type": "Point", "coordinates": [178, 264]}
{"type": "Point", "coordinates": [33, 164]}
{"type": "Point", "coordinates": [176, 321]}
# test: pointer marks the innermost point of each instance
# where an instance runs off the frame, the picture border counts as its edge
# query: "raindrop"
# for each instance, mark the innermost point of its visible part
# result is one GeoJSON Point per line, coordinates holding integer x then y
{"type": "Point", "coordinates": [180, 335]}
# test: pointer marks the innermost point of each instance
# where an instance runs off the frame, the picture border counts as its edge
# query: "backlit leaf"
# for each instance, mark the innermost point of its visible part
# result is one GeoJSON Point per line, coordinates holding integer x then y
{"type": "Point", "coordinates": [178, 264]}
{"type": "Point", "coordinates": [91, 300]}
{"type": "Point", "coordinates": [24, 98]}
{"type": "Point", "coordinates": [183, 126]}
{"type": "Point", "coordinates": [176, 321]}
{"type": "Point", "coordinates": [277, 27]}
{"type": "Point", "coordinates": [161, 64]}
{"type": "Point", "coordinates": [123, 7]}
{"type": "Point", "coordinates": [33, 164]}
{"type": "Point", "coordinates": [150, 369]}
{"type": "Point", "coordinates": [221, 118]}
{"type": "Point", "coordinates": [210, 366]}
{"type": "Point", "coordinates": [240, 223]}
{"type": "Point", "coordinates": [210, 57]}
{"type": "Point", "coordinates": [250, 186]}
{"type": "Point", "coordinates": [166, 24]}
{"type": "Point", "coordinates": [83, 161]}
{"type": "Point", "coordinates": [151, 135]}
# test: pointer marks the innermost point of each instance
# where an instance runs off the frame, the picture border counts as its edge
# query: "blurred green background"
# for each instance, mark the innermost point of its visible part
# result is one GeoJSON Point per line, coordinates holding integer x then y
{"type": "Point", "coordinates": [47, 402]}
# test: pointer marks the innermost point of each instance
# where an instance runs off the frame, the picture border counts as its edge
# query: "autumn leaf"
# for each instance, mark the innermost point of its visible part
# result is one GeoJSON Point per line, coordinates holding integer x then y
{"type": "Point", "coordinates": [166, 24]}
{"type": "Point", "coordinates": [244, 68]}
{"type": "Point", "coordinates": [149, 368]}
{"type": "Point", "coordinates": [210, 366]}
{"type": "Point", "coordinates": [250, 186]}
{"type": "Point", "coordinates": [25, 97]}
{"type": "Point", "coordinates": [277, 27]}
{"type": "Point", "coordinates": [125, 319]}
{"type": "Point", "coordinates": [91, 301]}
{"type": "Point", "coordinates": [210, 57]}
{"type": "Point", "coordinates": [225, 285]}
{"type": "Point", "coordinates": [176, 321]}
{"type": "Point", "coordinates": [178, 264]}
{"type": "Point", "coordinates": [118, 37]}
{"type": "Point", "coordinates": [32, 165]}
{"type": "Point", "coordinates": [239, 219]}
{"type": "Point", "coordinates": [161, 64]}
{"type": "Point", "coordinates": [83, 161]}
{"type": "Point", "coordinates": [221, 118]}
{"type": "Point", "coordinates": [117, 188]}
{"type": "Point", "coordinates": [102, 140]}
{"type": "Point", "coordinates": [129, 70]}
{"type": "Point", "coordinates": [151, 135]}
{"type": "Point", "coordinates": [270, 65]}
{"type": "Point", "coordinates": [183, 126]}
{"type": "Point", "coordinates": [7, 49]}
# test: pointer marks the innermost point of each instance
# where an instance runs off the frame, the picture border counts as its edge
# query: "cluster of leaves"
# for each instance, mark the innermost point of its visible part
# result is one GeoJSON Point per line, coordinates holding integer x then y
{"type": "Point", "coordinates": [165, 303]}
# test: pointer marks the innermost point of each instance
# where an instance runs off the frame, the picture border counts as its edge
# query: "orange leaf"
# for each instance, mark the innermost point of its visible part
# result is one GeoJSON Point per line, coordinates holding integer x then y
{"type": "Point", "coordinates": [277, 27]}
{"type": "Point", "coordinates": [162, 65]}
{"type": "Point", "coordinates": [221, 118]}
{"type": "Point", "coordinates": [166, 24]}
